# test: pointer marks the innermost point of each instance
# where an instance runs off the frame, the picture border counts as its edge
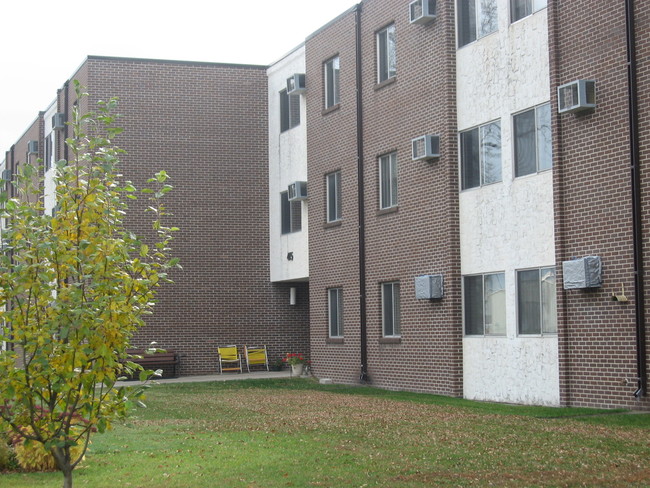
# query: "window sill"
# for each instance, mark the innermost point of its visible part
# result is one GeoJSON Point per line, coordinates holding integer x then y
{"type": "Point", "coordinates": [331, 225]}
{"type": "Point", "coordinates": [334, 340]}
{"type": "Point", "coordinates": [389, 210]}
{"type": "Point", "coordinates": [390, 340]}
{"type": "Point", "coordinates": [389, 81]}
{"type": "Point", "coordinates": [331, 109]}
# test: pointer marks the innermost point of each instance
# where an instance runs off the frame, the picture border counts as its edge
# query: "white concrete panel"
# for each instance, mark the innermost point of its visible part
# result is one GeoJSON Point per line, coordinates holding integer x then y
{"type": "Point", "coordinates": [508, 225]}
{"type": "Point", "coordinates": [287, 163]}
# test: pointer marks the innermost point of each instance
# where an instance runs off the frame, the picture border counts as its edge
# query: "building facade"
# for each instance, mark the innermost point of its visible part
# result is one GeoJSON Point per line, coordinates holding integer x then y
{"type": "Point", "coordinates": [446, 197]}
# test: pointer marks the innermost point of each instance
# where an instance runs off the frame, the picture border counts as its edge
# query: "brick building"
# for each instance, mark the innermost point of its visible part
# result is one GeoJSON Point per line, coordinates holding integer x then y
{"type": "Point", "coordinates": [206, 125]}
{"type": "Point", "coordinates": [410, 180]}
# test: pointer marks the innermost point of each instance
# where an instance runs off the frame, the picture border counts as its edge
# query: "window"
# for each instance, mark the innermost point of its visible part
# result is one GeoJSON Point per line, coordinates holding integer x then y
{"type": "Point", "coordinates": [476, 18]}
{"type": "Point", "coordinates": [289, 111]}
{"type": "Point", "coordinates": [480, 155]}
{"type": "Point", "coordinates": [386, 56]}
{"type": "Point", "coordinates": [522, 8]}
{"type": "Point", "coordinates": [532, 134]}
{"type": "Point", "coordinates": [333, 183]}
{"type": "Point", "coordinates": [335, 301]}
{"type": "Point", "coordinates": [291, 214]}
{"type": "Point", "coordinates": [390, 309]}
{"type": "Point", "coordinates": [536, 302]}
{"type": "Point", "coordinates": [485, 304]}
{"type": "Point", "coordinates": [332, 82]}
{"type": "Point", "coordinates": [48, 152]}
{"type": "Point", "coordinates": [388, 181]}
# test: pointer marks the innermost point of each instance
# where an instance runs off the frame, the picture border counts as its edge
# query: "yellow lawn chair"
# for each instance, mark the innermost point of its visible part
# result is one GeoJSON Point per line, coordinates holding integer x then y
{"type": "Point", "coordinates": [256, 356]}
{"type": "Point", "coordinates": [228, 356]}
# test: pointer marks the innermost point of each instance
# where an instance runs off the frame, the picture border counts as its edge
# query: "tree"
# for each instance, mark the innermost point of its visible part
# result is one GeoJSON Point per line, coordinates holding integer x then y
{"type": "Point", "coordinates": [75, 287]}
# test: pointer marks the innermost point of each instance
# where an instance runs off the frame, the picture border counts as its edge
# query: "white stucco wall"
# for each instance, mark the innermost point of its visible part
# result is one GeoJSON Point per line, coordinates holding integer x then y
{"type": "Point", "coordinates": [508, 225]}
{"type": "Point", "coordinates": [287, 163]}
{"type": "Point", "coordinates": [49, 201]}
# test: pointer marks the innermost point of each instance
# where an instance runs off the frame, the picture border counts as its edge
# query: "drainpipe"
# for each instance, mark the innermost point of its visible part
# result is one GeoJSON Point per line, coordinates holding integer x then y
{"type": "Point", "coordinates": [636, 202]}
{"type": "Point", "coordinates": [66, 102]}
{"type": "Point", "coordinates": [361, 207]}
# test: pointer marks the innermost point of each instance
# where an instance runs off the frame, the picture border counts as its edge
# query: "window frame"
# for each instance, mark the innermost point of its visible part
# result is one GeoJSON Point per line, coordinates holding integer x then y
{"type": "Point", "coordinates": [548, 149]}
{"type": "Point", "coordinates": [481, 151]}
{"type": "Point", "coordinates": [333, 178]}
{"type": "Point", "coordinates": [289, 110]}
{"type": "Point", "coordinates": [394, 321]}
{"type": "Point", "coordinates": [485, 332]}
{"type": "Point", "coordinates": [386, 53]}
{"type": "Point", "coordinates": [290, 214]}
{"type": "Point", "coordinates": [468, 30]}
{"type": "Point", "coordinates": [392, 185]}
{"type": "Point", "coordinates": [530, 8]}
{"type": "Point", "coordinates": [335, 320]}
{"type": "Point", "coordinates": [331, 79]}
{"type": "Point", "coordinates": [544, 329]}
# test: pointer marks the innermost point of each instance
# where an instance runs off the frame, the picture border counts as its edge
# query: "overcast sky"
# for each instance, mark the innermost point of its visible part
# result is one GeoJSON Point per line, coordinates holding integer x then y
{"type": "Point", "coordinates": [43, 42]}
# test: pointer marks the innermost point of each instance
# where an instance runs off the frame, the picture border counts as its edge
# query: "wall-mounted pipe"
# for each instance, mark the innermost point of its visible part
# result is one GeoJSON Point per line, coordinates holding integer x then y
{"type": "Point", "coordinates": [639, 294]}
{"type": "Point", "coordinates": [361, 205]}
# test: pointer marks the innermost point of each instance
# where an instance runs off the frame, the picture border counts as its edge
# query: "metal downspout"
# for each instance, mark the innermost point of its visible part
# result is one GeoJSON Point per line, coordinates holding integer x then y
{"type": "Point", "coordinates": [361, 206]}
{"type": "Point", "coordinates": [66, 103]}
{"type": "Point", "coordinates": [636, 201]}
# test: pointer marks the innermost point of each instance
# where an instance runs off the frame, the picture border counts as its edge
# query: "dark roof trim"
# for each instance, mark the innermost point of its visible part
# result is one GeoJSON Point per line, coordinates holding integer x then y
{"type": "Point", "coordinates": [171, 61]}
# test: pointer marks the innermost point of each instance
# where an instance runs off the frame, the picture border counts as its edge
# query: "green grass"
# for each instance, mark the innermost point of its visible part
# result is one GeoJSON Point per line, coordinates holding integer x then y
{"type": "Point", "coordinates": [296, 433]}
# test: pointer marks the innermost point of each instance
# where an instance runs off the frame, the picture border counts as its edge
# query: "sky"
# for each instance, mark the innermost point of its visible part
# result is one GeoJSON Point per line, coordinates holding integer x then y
{"type": "Point", "coordinates": [44, 42]}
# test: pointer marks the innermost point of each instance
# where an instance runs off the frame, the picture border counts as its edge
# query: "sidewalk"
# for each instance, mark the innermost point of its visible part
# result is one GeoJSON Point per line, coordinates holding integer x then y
{"type": "Point", "coordinates": [257, 375]}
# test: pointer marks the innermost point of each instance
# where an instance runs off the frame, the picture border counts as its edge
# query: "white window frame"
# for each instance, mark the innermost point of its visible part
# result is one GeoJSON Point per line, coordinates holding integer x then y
{"type": "Point", "coordinates": [483, 150]}
{"type": "Point", "coordinates": [541, 131]}
{"type": "Point", "coordinates": [391, 326]}
{"type": "Point", "coordinates": [547, 308]}
{"type": "Point", "coordinates": [388, 181]}
{"type": "Point", "coordinates": [333, 186]}
{"type": "Point", "coordinates": [386, 54]}
{"type": "Point", "coordinates": [331, 82]}
{"type": "Point", "coordinates": [530, 6]}
{"type": "Point", "coordinates": [335, 312]}
{"type": "Point", "coordinates": [488, 329]}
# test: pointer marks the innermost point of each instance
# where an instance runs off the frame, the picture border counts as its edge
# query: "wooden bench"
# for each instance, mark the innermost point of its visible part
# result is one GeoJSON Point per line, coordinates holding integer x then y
{"type": "Point", "coordinates": [167, 361]}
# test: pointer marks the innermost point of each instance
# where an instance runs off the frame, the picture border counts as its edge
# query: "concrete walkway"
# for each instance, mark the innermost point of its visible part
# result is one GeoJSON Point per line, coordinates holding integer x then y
{"type": "Point", "coordinates": [257, 375]}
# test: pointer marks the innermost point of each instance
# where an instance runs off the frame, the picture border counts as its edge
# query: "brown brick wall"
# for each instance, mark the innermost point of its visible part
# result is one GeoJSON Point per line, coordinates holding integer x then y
{"type": "Point", "coordinates": [421, 236]}
{"type": "Point", "coordinates": [593, 202]}
{"type": "Point", "coordinates": [206, 125]}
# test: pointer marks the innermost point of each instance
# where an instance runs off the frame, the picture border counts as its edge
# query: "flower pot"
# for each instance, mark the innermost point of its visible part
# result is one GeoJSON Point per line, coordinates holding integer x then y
{"type": "Point", "coordinates": [296, 369]}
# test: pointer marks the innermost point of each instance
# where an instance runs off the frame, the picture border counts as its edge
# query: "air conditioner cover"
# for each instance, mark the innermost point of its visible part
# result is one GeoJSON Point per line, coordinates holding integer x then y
{"type": "Point", "coordinates": [582, 273]}
{"type": "Point", "coordinates": [429, 287]}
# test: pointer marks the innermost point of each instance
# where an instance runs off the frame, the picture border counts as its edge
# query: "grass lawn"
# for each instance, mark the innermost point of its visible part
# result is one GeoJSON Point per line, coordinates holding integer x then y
{"type": "Point", "coordinates": [296, 433]}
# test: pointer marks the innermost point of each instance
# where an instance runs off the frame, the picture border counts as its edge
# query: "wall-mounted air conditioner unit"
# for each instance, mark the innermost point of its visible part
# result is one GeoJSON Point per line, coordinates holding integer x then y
{"type": "Point", "coordinates": [582, 273]}
{"type": "Point", "coordinates": [425, 147]}
{"type": "Point", "coordinates": [296, 84]}
{"type": "Point", "coordinates": [577, 96]}
{"type": "Point", "coordinates": [429, 287]}
{"type": "Point", "coordinates": [297, 191]}
{"type": "Point", "coordinates": [58, 121]}
{"type": "Point", "coordinates": [32, 147]}
{"type": "Point", "coordinates": [422, 11]}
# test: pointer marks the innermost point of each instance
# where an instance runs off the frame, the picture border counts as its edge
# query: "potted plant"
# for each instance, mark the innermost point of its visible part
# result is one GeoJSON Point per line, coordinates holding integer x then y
{"type": "Point", "coordinates": [278, 364]}
{"type": "Point", "coordinates": [297, 362]}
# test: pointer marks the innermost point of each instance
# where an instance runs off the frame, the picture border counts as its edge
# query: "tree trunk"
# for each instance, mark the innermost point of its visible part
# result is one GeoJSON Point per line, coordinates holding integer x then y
{"type": "Point", "coordinates": [67, 479]}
